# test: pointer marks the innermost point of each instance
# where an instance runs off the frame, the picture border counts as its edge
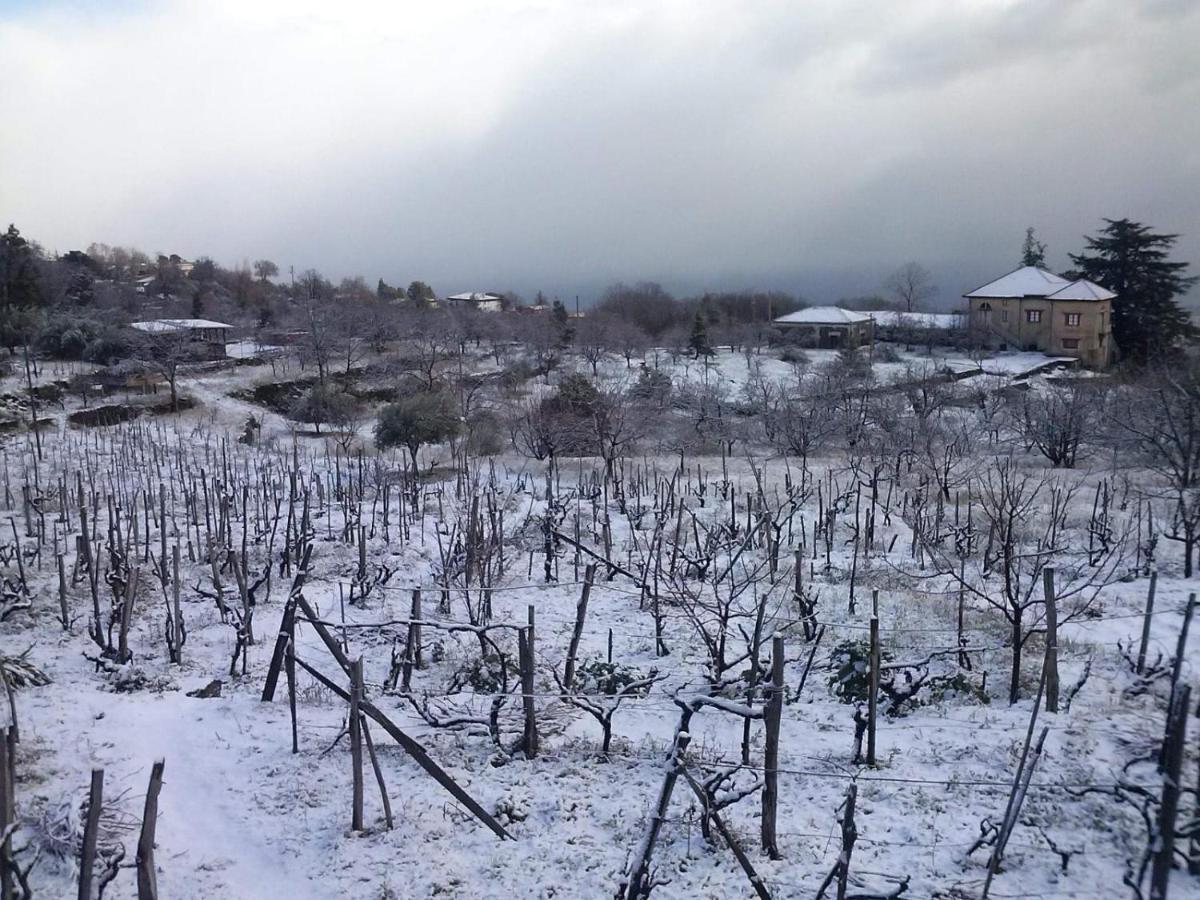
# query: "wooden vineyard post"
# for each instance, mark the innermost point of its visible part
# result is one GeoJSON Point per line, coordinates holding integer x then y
{"type": "Point", "coordinates": [577, 634]}
{"type": "Point", "coordinates": [176, 610]}
{"type": "Point", "coordinates": [526, 651]}
{"type": "Point", "coordinates": [356, 757]}
{"type": "Point", "coordinates": [873, 690]}
{"type": "Point", "coordinates": [91, 831]}
{"type": "Point", "coordinates": [1176, 669]}
{"type": "Point", "coordinates": [1160, 869]}
{"type": "Point", "coordinates": [7, 808]}
{"type": "Point", "coordinates": [774, 716]}
{"type": "Point", "coordinates": [635, 885]}
{"type": "Point", "coordinates": [64, 611]}
{"type": "Point", "coordinates": [289, 668]}
{"type": "Point", "coordinates": [1145, 643]}
{"type": "Point", "coordinates": [147, 880]}
{"type": "Point", "coordinates": [1051, 662]}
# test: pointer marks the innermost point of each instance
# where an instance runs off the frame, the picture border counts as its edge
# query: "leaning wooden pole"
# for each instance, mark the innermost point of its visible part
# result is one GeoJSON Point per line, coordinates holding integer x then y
{"type": "Point", "coordinates": [147, 879]}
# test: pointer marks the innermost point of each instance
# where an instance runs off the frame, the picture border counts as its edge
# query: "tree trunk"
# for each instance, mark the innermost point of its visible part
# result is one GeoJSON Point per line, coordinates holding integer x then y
{"type": "Point", "coordinates": [1014, 684]}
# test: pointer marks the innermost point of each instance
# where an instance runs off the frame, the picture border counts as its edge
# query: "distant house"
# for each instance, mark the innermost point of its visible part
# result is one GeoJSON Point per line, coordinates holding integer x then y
{"type": "Point", "coordinates": [211, 337]}
{"type": "Point", "coordinates": [1033, 309]}
{"type": "Point", "coordinates": [481, 300]}
{"type": "Point", "coordinates": [829, 327]}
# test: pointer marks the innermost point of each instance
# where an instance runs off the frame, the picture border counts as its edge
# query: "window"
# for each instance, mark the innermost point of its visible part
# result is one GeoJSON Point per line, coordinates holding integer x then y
{"type": "Point", "coordinates": [1004, 315]}
{"type": "Point", "coordinates": [1033, 315]}
{"type": "Point", "coordinates": [1070, 343]}
{"type": "Point", "coordinates": [1072, 320]}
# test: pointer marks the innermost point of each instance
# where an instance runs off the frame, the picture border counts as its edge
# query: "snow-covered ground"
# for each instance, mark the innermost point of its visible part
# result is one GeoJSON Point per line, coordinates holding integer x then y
{"type": "Point", "coordinates": [242, 816]}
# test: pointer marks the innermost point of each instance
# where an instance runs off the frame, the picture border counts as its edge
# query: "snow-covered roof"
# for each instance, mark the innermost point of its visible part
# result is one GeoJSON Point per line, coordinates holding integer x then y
{"type": "Point", "coordinates": [1082, 290]}
{"type": "Point", "coordinates": [475, 296]}
{"type": "Point", "coordinates": [158, 326]}
{"type": "Point", "coordinates": [1027, 281]}
{"type": "Point", "coordinates": [823, 315]}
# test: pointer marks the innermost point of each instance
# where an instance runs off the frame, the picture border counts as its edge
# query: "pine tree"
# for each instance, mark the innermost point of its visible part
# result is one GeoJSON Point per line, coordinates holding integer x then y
{"type": "Point", "coordinates": [1131, 261]}
{"type": "Point", "coordinates": [698, 342]}
{"type": "Point", "coordinates": [1033, 252]}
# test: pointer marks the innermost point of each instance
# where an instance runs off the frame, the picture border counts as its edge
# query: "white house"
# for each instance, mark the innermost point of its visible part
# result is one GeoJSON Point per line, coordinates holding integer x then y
{"type": "Point", "coordinates": [829, 326]}
{"type": "Point", "coordinates": [481, 300]}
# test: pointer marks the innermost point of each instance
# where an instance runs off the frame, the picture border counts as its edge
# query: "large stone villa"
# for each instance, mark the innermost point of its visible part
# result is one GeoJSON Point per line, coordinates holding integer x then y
{"type": "Point", "coordinates": [1032, 309]}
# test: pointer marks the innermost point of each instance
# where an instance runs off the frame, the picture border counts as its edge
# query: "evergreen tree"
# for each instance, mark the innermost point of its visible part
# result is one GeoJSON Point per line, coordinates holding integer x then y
{"type": "Point", "coordinates": [1131, 261]}
{"type": "Point", "coordinates": [562, 321]}
{"type": "Point", "coordinates": [698, 342]}
{"type": "Point", "coordinates": [1033, 251]}
{"type": "Point", "coordinates": [19, 276]}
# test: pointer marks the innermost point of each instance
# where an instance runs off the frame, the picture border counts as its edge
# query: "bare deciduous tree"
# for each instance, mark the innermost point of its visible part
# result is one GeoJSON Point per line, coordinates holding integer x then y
{"type": "Point", "coordinates": [911, 285]}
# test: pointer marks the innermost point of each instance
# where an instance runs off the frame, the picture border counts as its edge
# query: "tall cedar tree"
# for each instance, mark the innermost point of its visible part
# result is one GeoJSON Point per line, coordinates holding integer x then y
{"type": "Point", "coordinates": [1131, 261]}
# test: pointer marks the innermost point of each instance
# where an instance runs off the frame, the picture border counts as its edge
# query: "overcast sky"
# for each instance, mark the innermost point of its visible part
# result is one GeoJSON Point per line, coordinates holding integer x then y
{"type": "Point", "coordinates": [810, 146]}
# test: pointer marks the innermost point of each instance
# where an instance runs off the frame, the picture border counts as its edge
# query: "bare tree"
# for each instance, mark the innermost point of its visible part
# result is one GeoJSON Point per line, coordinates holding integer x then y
{"type": "Point", "coordinates": [1027, 517]}
{"type": "Point", "coordinates": [911, 285]}
{"type": "Point", "coordinates": [1160, 416]}
{"type": "Point", "coordinates": [1056, 420]}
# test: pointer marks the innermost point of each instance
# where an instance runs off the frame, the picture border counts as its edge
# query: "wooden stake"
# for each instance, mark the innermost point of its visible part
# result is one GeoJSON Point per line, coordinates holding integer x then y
{"type": "Point", "coordinates": [1051, 662]}
{"type": "Point", "coordinates": [147, 879]}
{"type": "Point", "coordinates": [577, 634]}
{"type": "Point", "coordinates": [873, 690]}
{"type": "Point", "coordinates": [356, 759]}
{"type": "Point", "coordinates": [1160, 869]}
{"type": "Point", "coordinates": [1141, 657]}
{"type": "Point", "coordinates": [91, 830]}
{"type": "Point", "coordinates": [773, 717]}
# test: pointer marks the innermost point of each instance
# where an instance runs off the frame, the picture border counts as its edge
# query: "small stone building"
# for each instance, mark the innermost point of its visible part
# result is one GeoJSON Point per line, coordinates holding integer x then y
{"type": "Point", "coordinates": [1033, 309]}
{"type": "Point", "coordinates": [829, 327]}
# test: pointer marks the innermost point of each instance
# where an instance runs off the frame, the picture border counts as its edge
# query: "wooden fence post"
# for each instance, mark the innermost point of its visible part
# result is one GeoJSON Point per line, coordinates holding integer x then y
{"type": "Point", "coordinates": [91, 830]}
{"type": "Point", "coordinates": [873, 689]}
{"type": "Point", "coordinates": [147, 879]}
{"type": "Point", "coordinates": [774, 715]}
{"type": "Point", "coordinates": [356, 758]}
{"type": "Point", "coordinates": [1051, 661]}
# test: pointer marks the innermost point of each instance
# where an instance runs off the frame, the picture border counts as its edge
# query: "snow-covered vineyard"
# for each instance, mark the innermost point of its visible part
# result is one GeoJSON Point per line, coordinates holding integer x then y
{"type": "Point", "coordinates": [795, 629]}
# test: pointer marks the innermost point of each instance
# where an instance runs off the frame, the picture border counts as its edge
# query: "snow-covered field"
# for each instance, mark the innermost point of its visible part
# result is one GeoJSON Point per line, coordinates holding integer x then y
{"type": "Point", "coordinates": [241, 815]}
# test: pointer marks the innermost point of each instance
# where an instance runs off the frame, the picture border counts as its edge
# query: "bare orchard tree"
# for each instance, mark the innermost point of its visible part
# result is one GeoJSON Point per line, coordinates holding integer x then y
{"type": "Point", "coordinates": [1057, 419]}
{"type": "Point", "coordinates": [1028, 520]}
{"type": "Point", "coordinates": [619, 423]}
{"type": "Point", "coordinates": [432, 342]}
{"type": "Point", "coordinates": [802, 423]}
{"type": "Point", "coordinates": [166, 351]}
{"type": "Point", "coordinates": [911, 285]}
{"type": "Point", "coordinates": [1160, 417]}
{"type": "Point", "coordinates": [593, 340]}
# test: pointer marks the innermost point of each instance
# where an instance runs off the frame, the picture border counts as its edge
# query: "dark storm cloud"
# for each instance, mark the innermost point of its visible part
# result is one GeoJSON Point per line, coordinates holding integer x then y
{"type": "Point", "coordinates": [558, 145]}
